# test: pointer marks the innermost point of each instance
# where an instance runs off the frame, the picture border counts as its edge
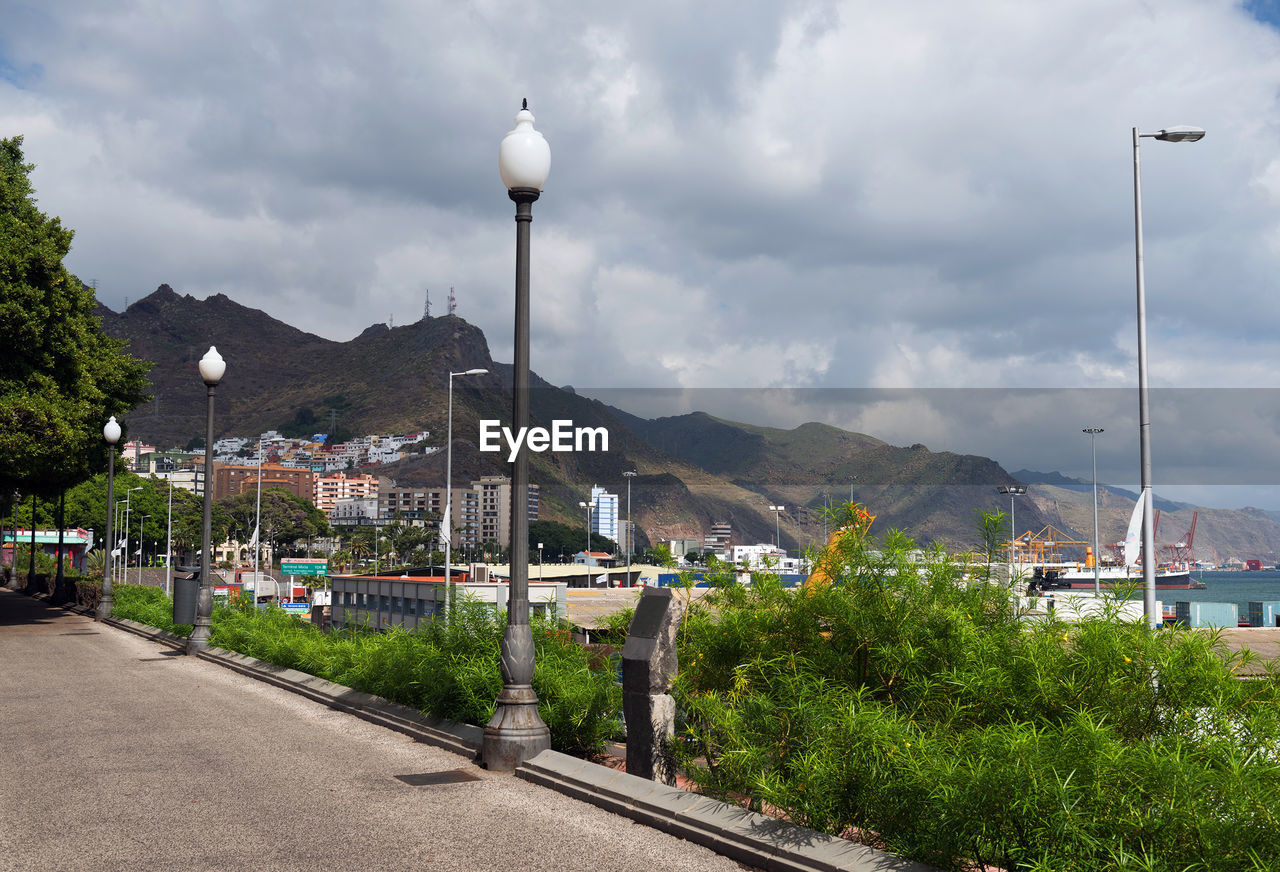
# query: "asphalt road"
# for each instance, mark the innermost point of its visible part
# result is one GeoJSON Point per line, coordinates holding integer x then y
{"type": "Point", "coordinates": [121, 754]}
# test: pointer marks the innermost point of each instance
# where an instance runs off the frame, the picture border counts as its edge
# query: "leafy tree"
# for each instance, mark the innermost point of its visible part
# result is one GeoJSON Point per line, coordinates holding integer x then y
{"type": "Point", "coordinates": [285, 517]}
{"type": "Point", "coordinates": [556, 537]}
{"type": "Point", "coordinates": [60, 375]}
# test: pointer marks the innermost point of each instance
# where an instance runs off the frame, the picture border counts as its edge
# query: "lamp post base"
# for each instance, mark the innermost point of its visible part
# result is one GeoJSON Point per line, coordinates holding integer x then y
{"type": "Point", "coordinates": [105, 606]}
{"type": "Point", "coordinates": [516, 732]}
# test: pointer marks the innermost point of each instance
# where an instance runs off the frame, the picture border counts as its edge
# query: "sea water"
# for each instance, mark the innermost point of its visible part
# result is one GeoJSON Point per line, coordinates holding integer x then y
{"type": "Point", "coordinates": [1228, 587]}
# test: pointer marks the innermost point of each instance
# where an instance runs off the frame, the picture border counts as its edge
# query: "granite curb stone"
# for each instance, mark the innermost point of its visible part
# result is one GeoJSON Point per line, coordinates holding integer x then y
{"type": "Point", "coordinates": [751, 838]}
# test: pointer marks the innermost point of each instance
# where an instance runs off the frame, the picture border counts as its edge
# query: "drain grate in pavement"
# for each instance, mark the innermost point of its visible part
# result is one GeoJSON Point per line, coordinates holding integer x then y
{"type": "Point", "coordinates": [449, 776]}
{"type": "Point", "coordinates": [81, 633]}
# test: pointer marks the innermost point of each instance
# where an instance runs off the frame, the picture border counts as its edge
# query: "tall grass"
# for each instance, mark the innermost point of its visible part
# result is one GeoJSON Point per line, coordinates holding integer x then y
{"type": "Point", "coordinates": [450, 673]}
{"type": "Point", "coordinates": [922, 711]}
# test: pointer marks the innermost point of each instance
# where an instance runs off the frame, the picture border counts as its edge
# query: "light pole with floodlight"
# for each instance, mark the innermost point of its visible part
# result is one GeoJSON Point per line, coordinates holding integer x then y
{"type": "Point", "coordinates": [447, 522]}
{"type": "Point", "coordinates": [111, 433]}
{"type": "Point", "coordinates": [1093, 432]}
{"type": "Point", "coordinates": [212, 368]}
{"type": "Point", "coordinates": [1013, 490]}
{"type": "Point", "coordinates": [777, 524]}
{"type": "Point", "coordinates": [516, 732]}
{"type": "Point", "coordinates": [586, 555]}
{"type": "Point", "coordinates": [631, 531]}
{"type": "Point", "coordinates": [1181, 133]}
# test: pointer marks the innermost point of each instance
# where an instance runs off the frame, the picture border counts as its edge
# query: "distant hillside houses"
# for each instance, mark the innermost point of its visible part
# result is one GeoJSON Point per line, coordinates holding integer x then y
{"type": "Point", "coordinates": [315, 453]}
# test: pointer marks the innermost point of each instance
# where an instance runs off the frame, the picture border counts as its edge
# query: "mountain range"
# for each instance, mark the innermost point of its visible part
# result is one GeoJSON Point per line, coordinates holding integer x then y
{"type": "Point", "coordinates": [693, 469]}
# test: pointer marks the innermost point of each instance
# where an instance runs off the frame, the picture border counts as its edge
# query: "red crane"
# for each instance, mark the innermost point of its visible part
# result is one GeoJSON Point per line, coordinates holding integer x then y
{"type": "Point", "coordinates": [1183, 551]}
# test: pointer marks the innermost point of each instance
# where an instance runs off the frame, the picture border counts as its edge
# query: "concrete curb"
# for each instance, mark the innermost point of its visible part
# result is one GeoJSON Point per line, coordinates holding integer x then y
{"type": "Point", "coordinates": [754, 839]}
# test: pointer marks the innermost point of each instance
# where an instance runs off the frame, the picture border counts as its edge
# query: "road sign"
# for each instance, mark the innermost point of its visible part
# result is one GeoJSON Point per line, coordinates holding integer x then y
{"type": "Point", "coordinates": [304, 567]}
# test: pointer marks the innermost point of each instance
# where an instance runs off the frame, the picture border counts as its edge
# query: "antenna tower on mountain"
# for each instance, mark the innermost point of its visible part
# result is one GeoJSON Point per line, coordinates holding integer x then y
{"type": "Point", "coordinates": [426, 307]}
{"type": "Point", "coordinates": [453, 301]}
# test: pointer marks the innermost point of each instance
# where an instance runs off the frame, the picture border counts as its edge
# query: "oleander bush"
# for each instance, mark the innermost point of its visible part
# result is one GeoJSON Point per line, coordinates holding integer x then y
{"type": "Point", "coordinates": [910, 703]}
{"type": "Point", "coordinates": [449, 672]}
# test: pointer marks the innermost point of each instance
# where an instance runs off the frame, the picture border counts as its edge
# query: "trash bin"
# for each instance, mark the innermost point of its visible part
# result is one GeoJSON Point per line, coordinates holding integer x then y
{"type": "Point", "coordinates": [185, 591]}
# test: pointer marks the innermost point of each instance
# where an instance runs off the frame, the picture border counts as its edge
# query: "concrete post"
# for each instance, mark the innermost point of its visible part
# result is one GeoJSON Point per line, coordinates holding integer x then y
{"type": "Point", "coordinates": [649, 667]}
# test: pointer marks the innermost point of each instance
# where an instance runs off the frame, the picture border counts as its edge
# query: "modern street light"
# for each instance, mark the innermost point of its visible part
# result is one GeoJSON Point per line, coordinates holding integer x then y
{"type": "Point", "coordinates": [141, 521]}
{"type": "Point", "coordinates": [1093, 432]}
{"type": "Point", "coordinates": [447, 523]}
{"type": "Point", "coordinates": [124, 555]}
{"type": "Point", "coordinates": [212, 368]}
{"type": "Point", "coordinates": [1181, 133]}
{"type": "Point", "coordinates": [777, 524]}
{"type": "Point", "coordinates": [1013, 490]}
{"type": "Point", "coordinates": [516, 731]}
{"type": "Point", "coordinates": [111, 433]}
{"type": "Point", "coordinates": [168, 552]}
{"type": "Point", "coordinates": [586, 555]}
{"type": "Point", "coordinates": [631, 531]}
{"type": "Point", "coordinates": [539, 561]}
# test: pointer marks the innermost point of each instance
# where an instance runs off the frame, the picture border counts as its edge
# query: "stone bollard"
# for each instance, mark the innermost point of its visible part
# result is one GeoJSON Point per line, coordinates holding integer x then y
{"type": "Point", "coordinates": [649, 667]}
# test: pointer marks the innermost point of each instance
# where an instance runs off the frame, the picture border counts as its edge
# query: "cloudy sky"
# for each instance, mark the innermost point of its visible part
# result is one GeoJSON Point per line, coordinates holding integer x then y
{"type": "Point", "coordinates": [909, 219]}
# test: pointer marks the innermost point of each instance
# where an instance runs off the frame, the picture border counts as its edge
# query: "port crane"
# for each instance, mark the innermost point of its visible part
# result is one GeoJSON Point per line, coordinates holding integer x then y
{"type": "Point", "coordinates": [1183, 551]}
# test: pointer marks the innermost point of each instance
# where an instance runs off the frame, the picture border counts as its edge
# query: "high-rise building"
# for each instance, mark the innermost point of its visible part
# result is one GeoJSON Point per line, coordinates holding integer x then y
{"type": "Point", "coordinates": [604, 517]}
{"type": "Point", "coordinates": [343, 486]}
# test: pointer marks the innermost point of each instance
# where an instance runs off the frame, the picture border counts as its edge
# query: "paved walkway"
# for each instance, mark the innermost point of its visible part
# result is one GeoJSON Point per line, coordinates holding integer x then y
{"type": "Point", "coordinates": [121, 754]}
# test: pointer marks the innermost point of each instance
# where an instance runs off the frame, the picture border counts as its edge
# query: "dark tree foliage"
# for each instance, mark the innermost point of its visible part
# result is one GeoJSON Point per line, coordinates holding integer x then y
{"type": "Point", "coordinates": [556, 538]}
{"type": "Point", "coordinates": [60, 375]}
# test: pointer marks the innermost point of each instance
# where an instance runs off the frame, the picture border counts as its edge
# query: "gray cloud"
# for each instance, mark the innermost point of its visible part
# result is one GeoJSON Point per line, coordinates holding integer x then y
{"type": "Point", "coordinates": [791, 194]}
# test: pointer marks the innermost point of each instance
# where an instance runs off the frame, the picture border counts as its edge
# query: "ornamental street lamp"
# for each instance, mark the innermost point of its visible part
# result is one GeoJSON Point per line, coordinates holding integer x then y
{"type": "Point", "coordinates": [631, 531]}
{"type": "Point", "coordinates": [212, 368]}
{"type": "Point", "coordinates": [516, 731]}
{"type": "Point", "coordinates": [586, 555]}
{"type": "Point", "coordinates": [1180, 133]}
{"type": "Point", "coordinates": [111, 433]}
{"type": "Point", "coordinates": [1013, 490]}
{"type": "Point", "coordinates": [446, 525]}
{"type": "Point", "coordinates": [1093, 432]}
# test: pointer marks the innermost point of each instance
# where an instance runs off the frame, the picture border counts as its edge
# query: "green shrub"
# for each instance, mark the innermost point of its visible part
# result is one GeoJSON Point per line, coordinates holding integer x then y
{"type": "Point", "coordinates": [919, 708]}
{"type": "Point", "coordinates": [449, 672]}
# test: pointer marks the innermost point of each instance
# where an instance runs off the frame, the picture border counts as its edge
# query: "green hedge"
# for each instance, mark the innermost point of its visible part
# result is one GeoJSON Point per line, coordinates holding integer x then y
{"type": "Point", "coordinates": [915, 706]}
{"type": "Point", "coordinates": [450, 673]}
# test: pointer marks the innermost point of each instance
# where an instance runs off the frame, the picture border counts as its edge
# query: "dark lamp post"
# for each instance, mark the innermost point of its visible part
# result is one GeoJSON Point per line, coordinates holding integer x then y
{"type": "Point", "coordinates": [516, 732]}
{"type": "Point", "coordinates": [111, 433]}
{"type": "Point", "coordinates": [212, 368]}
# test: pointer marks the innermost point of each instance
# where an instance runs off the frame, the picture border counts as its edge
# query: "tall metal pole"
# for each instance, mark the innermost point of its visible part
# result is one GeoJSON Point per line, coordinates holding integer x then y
{"type": "Point", "coordinates": [168, 553]}
{"type": "Point", "coordinates": [448, 507]}
{"type": "Point", "coordinates": [199, 640]}
{"type": "Point", "coordinates": [257, 523]}
{"type": "Point", "coordinates": [631, 531]}
{"type": "Point", "coordinates": [1144, 410]}
{"type": "Point", "coordinates": [141, 521]}
{"type": "Point", "coordinates": [1093, 432]}
{"type": "Point", "coordinates": [516, 731]}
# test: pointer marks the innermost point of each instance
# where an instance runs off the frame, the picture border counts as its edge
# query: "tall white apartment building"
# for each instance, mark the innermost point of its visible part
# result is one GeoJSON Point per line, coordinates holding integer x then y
{"type": "Point", "coordinates": [604, 517]}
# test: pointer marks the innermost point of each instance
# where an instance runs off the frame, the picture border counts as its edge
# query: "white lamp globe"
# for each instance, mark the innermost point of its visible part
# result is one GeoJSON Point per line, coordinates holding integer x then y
{"type": "Point", "coordinates": [524, 158]}
{"type": "Point", "coordinates": [212, 367]}
{"type": "Point", "coordinates": [111, 432]}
